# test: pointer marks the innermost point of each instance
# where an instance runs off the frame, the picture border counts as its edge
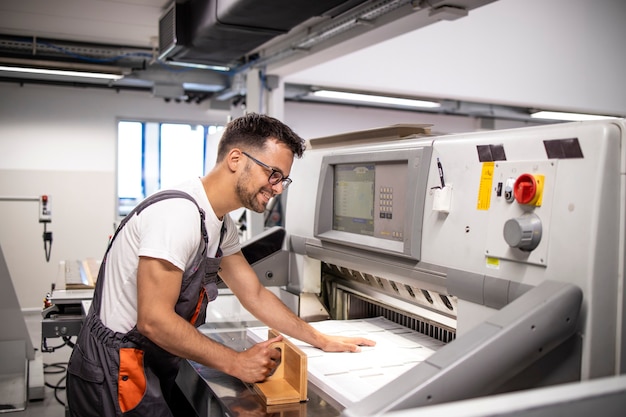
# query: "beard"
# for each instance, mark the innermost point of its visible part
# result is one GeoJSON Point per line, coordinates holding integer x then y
{"type": "Point", "coordinates": [250, 198]}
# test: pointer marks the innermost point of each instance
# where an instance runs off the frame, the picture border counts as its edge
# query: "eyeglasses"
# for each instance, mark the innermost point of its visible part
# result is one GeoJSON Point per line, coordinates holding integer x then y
{"type": "Point", "coordinates": [275, 175]}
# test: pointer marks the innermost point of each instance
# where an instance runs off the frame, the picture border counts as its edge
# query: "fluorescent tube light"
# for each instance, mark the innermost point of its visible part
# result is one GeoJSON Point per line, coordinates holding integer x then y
{"type": "Point", "coordinates": [574, 117]}
{"type": "Point", "coordinates": [372, 99]}
{"type": "Point", "coordinates": [219, 68]}
{"type": "Point", "coordinates": [66, 73]}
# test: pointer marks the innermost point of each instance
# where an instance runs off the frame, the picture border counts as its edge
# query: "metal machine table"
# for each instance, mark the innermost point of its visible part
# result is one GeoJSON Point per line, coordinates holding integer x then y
{"type": "Point", "coordinates": [213, 393]}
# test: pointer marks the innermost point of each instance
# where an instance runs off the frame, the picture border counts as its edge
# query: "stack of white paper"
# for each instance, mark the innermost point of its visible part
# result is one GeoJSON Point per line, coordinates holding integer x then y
{"type": "Point", "coordinates": [350, 377]}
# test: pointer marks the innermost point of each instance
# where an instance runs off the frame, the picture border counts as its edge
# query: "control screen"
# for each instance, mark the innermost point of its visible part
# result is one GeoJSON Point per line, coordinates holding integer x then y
{"type": "Point", "coordinates": [373, 200]}
{"type": "Point", "coordinates": [364, 201]}
{"type": "Point", "coordinates": [353, 198]}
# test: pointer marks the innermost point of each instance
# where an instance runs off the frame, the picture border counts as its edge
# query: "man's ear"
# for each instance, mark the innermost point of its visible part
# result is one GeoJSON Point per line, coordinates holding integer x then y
{"type": "Point", "coordinates": [234, 159]}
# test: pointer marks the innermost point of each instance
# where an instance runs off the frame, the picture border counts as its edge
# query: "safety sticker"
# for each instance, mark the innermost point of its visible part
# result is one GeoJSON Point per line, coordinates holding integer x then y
{"type": "Point", "coordinates": [484, 190]}
{"type": "Point", "coordinates": [492, 263]}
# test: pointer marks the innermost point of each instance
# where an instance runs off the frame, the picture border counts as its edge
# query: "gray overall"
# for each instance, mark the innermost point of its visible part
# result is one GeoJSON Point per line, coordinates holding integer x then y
{"type": "Point", "coordinates": [115, 374]}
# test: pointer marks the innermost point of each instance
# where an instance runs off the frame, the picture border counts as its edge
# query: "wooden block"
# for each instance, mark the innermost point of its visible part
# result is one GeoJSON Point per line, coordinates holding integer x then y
{"type": "Point", "coordinates": [288, 384]}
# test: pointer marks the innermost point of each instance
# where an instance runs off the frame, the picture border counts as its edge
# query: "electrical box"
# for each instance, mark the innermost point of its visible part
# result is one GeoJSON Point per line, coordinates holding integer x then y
{"type": "Point", "coordinates": [45, 213]}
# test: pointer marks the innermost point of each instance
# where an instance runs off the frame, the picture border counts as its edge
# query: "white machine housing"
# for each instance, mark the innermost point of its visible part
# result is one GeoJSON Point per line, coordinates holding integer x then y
{"type": "Point", "coordinates": [492, 221]}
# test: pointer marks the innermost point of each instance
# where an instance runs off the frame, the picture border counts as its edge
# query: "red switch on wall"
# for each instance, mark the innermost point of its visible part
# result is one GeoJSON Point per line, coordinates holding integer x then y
{"type": "Point", "coordinates": [45, 214]}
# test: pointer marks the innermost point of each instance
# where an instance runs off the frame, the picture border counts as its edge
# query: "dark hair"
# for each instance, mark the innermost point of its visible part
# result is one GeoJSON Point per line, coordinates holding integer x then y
{"type": "Point", "coordinates": [252, 132]}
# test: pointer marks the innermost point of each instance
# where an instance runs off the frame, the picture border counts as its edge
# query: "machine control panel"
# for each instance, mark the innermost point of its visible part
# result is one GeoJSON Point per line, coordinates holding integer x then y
{"type": "Point", "coordinates": [520, 216]}
{"type": "Point", "coordinates": [373, 200]}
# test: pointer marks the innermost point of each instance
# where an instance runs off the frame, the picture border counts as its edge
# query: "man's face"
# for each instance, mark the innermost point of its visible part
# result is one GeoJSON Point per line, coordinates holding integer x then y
{"type": "Point", "coordinates": [253, 187]}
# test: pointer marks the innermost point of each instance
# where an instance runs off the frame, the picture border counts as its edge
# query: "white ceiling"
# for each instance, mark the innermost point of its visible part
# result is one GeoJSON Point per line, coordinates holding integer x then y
{"type": "Point", "coordinates": [555, 54]}
{"type": "Point", "coordinates": [119, 22]}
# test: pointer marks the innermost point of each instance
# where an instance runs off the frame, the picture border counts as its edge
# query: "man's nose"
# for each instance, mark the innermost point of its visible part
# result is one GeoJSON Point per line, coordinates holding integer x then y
{"type": "Point", "coordinates": [278, 188]}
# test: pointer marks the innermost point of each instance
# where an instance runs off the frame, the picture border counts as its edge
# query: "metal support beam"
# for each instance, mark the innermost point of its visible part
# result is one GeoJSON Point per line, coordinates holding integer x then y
{"type": "Point", "coordinates": [264, 94]}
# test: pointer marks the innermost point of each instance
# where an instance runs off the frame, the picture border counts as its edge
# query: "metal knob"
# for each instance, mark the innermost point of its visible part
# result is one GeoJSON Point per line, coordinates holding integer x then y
{"type": "Point", "coordinates": [523, 232]}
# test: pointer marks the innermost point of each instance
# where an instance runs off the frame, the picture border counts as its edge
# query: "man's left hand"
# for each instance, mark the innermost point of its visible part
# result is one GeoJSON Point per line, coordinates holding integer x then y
{"type": "Point", "coordinates": [345, 344]}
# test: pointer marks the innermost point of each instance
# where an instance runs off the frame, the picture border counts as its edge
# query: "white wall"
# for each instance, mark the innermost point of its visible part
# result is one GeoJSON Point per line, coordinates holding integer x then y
{"type": "Point", "coordinates": [61, 142]}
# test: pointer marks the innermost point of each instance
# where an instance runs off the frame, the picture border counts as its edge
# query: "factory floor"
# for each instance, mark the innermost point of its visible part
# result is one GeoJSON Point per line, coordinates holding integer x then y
{"type": "Point", "coordinates": [54, 365]}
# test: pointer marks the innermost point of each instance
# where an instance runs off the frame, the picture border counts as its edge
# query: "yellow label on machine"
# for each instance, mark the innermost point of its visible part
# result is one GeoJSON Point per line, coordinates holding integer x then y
{"type": "Point", "coordinates": [492, 263]}
{"type": "Point", "coordinates": [484, 190]}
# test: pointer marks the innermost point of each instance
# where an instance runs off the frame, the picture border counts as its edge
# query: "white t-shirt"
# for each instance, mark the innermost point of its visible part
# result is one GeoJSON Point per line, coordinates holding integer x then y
{"type": "Point", "coordinates": [169, 230]}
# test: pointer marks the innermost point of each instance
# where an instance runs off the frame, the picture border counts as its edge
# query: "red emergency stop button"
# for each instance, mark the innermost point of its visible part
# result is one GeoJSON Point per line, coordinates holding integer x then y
{"type": "Point", "coordinates": [528, 189]}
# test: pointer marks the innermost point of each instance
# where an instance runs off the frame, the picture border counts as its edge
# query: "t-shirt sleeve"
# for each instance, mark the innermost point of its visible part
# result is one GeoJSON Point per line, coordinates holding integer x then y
{"type": "Point", "coordinates": [170, 230]}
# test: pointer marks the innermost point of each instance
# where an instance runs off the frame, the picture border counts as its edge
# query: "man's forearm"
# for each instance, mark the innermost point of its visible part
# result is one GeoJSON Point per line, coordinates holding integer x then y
{"type": "Point", "coordinates": [172, 333]}
{"type": "Point", "coordinates": [182, 339]}
{"type": "Point", "coordinates": [275, 314]}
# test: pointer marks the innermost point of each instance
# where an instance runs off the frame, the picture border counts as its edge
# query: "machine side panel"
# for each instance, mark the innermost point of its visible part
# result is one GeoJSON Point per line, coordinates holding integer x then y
{"type": "Point", "coordinates": [479, 361]}
{"type": "Point", "coordinates": [579, 210]}
{"type": "Point", "coordinates": [605, 395]}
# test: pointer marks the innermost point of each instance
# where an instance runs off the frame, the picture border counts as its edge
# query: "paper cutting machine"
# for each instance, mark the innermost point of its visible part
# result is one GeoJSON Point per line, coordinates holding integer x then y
{"type": "Point", "coordinates": [518, 235]}
{"type": "Point", "coordinates": [506, 246]}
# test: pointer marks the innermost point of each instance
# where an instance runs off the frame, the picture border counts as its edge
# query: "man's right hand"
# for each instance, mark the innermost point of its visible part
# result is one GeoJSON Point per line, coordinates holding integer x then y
{"type": "Point", "coordinates": [258, 362]}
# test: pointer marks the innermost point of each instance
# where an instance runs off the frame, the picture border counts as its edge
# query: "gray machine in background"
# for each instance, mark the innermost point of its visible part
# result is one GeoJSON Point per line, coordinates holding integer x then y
{"type": "Point", "coordinates": [507, 245]}
{"type": "Point", "coordinates": [17, 353]}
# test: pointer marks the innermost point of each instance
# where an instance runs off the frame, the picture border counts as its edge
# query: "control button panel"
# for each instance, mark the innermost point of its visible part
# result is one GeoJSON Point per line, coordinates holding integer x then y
{"type": "Point", "coordinates": [386, 202]}
{"type": "Point", "coordinates": [45, 213]}
{"type": "Point", "coordinates": [519, 216]}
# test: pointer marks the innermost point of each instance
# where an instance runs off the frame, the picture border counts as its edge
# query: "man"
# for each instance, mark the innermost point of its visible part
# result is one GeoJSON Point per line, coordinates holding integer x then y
{"type": "Point", "coordinates": [161, 269]}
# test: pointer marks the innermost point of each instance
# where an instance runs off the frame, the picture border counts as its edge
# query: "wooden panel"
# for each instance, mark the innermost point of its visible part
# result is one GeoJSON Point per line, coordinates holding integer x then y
{"type": "Point", "coordinates": [288, 384]}
{"type": "Point", "coordinates": [376, 135]}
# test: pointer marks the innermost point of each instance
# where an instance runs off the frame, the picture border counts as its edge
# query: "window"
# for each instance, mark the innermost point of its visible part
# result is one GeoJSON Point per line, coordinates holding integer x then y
{"type": "Point", "coordinates": [182, 153]}
{"type": "Point", "coordinates": [151, 156]}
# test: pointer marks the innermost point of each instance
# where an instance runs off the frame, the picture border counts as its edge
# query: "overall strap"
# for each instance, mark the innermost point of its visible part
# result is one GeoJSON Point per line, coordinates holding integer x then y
{"type": "Point", "coordinates": [154, 198]}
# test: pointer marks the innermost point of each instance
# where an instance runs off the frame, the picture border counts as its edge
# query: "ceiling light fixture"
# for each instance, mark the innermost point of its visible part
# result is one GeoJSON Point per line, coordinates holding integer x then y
{"type": "Point", "coordinates": [219, 68]}
{"type": "Point", "coordinates": [66, 73]}
{"type": "Point", "coordinates": [374, 99]}
{"type": "Point", "coordinates": [572, 117]}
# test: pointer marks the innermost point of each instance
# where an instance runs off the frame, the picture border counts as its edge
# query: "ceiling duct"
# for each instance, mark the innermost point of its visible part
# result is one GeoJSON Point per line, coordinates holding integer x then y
{"type": "Point", "coordinates": [222, 32]}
